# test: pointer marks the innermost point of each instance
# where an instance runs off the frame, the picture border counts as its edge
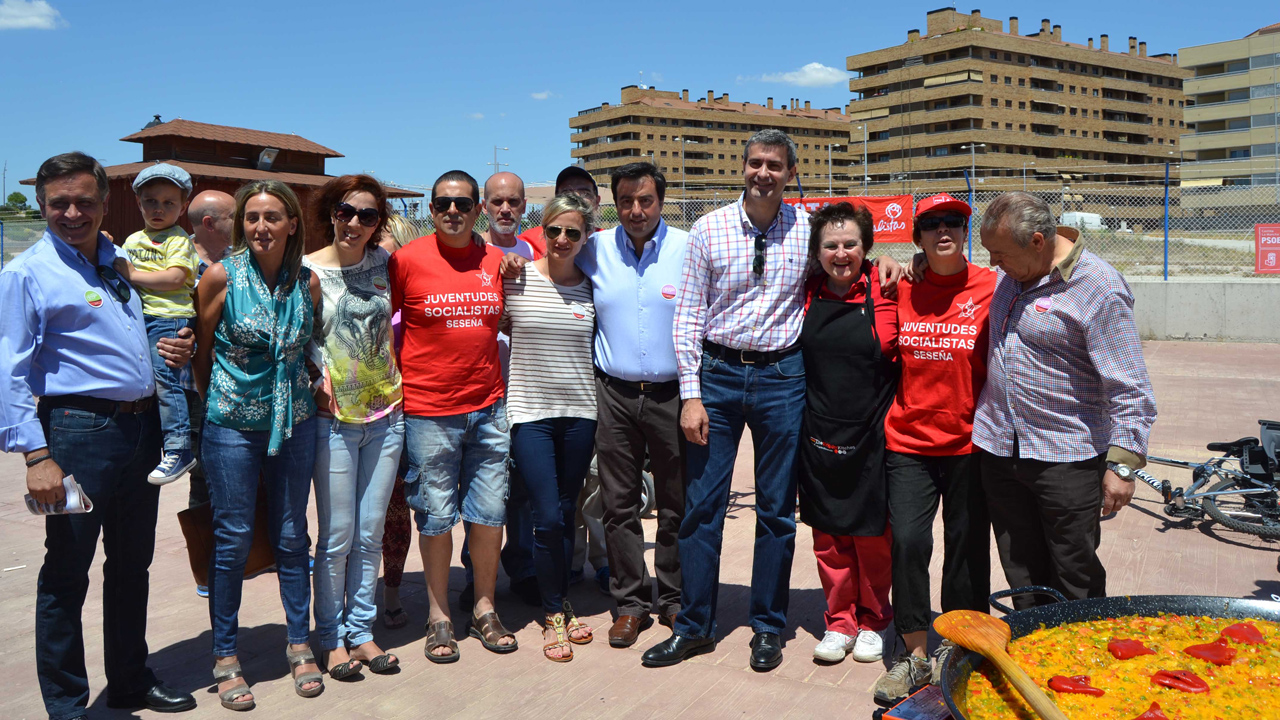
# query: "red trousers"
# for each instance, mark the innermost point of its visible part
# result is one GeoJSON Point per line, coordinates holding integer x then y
{"type": "Point", "coordinates": [856, 573]}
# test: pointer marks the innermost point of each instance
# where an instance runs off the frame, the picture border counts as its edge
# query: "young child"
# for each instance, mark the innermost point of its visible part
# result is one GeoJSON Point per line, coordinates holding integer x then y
{"type": "Point", "coordinates": [162, 266]}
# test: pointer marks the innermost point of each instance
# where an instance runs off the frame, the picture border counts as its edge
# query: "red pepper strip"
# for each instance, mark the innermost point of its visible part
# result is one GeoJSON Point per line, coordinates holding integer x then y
{"type": "Point", "coordinates": [1183, 680]}
{"type": "Point", "coordinates": [1243, 633]}
{"type": "Point", "coordinates": [1125, 649]}
{"type": "Point", "coordinates": [1074, 684]}
{"type": "Point", "coordinates": [1153, 713]}
{"type": "Point", "coordinates": [1217, 652]}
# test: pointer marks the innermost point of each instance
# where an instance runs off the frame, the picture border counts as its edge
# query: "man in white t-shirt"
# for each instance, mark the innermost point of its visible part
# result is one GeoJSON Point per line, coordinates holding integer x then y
{"type": "Point", "coordinates": [504, 204]}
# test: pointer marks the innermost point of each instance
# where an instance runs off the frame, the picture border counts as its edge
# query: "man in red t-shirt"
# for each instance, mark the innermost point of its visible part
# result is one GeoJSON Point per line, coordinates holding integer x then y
{"type": "Point", "coordinates": [450, 297]}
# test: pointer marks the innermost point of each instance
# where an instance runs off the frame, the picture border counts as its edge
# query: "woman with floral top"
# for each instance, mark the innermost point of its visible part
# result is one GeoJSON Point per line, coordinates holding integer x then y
{"type": "Point", "coordinates": [254, 318]}
{"type": "Point", "coordinates": [361, 432]}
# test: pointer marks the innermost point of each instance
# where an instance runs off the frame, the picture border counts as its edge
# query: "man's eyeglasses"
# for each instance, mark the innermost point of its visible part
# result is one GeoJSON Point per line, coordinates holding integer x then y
{"type": "Point", "coordinates": [929, 223]}
{"type": "Point", "coordinates": [553, 231]}
{"type": "Point", "coordinates": [115, 283]}
{"type": "Point", "coordinates": [757, 264]}
{"type": "Point", "coordinates": [441, 204]}
{"type": "Point", "coordinates": [346, 212]}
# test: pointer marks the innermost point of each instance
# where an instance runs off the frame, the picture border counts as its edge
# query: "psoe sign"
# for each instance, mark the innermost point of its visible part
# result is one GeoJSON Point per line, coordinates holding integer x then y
{"type": "Point", "coordinates": [1266, 249]}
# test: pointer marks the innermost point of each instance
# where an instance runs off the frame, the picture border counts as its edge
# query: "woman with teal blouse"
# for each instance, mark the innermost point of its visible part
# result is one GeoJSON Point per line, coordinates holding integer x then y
{"type": "Point", "coordinates": [255, 313]}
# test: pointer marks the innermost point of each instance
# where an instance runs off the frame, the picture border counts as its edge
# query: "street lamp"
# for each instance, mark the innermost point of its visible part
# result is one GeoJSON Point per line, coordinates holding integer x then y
{"type": "Point", "coordinates": [829, 146]}
{"type": "Point", "coordinates": [973, 148]}
{"type": "Point", "coordinates": [495, 162]}
{"type": "Point", "coordinates": [863, 127]}
{"type": "Point", "coordinates": [1024, 175]}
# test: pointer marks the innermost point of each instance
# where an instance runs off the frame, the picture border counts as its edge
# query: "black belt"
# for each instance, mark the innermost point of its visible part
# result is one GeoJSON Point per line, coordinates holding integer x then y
{"type": "Point", "coordinates": [747, 357]}
{"type": "Point", "coordinates": [98, 405]}
{"type": "Point", "coordinates": [642, 386]}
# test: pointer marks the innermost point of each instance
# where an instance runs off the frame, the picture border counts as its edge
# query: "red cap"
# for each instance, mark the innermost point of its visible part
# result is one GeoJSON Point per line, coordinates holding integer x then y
{"type": "Point", "coordinates": [943, 201]}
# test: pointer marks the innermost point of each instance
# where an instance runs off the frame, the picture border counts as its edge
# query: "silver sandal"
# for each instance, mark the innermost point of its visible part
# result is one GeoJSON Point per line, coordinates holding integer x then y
{"type": "Point", "coordinates": [302, 657]}
{"type": "Point", "coordinates": [223, 673]}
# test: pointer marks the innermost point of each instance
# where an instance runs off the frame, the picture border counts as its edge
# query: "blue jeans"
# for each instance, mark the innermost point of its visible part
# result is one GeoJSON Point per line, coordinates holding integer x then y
{"type": "Point", "coordinates": [554, 455]}
{"type": "Point", "coordinates": [234, 460]}
{"type": "Point", "coordinates": [110, 456]}
{"type": "Point", "coordinates": [175, 420]}
{"type": "Point", "coordinates": [769, 399]}
{"type": "Point", "coordinates": [355, 472]}
{"type": "Point", "coordinates": [457, 468]}
{"type": "Point", "coordinates": [517, 549]}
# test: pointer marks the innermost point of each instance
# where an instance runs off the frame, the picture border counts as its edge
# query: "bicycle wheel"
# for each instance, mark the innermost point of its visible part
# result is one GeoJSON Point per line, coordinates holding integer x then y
{"type": "Point", "coordinates": [1254, 514]}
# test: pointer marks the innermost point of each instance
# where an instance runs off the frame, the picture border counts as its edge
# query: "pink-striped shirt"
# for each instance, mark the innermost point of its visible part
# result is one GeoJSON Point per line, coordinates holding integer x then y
{"type": "Point", "coordinates": [723, 301]}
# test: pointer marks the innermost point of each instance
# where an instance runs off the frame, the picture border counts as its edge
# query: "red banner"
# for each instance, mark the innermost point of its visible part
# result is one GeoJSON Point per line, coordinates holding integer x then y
{"type": "Point", "coordinates": [1266, 249]}
{"type": "Point", "coordinates": [891, 215]}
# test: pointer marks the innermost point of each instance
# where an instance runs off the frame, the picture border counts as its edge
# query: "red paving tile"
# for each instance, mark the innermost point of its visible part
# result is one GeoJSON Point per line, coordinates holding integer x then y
{"type": "Point", "coordinates": [1204, 391]}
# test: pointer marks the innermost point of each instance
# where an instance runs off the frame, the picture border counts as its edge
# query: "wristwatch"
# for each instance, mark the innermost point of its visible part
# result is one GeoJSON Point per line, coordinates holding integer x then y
{"type": "Point", "coordinates": [1122, 471]}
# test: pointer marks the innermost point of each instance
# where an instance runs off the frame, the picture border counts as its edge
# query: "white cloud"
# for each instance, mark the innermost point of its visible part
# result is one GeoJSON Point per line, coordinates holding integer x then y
{"type": "Point", "coordinates": [476, 116]}
{"type": "Point", "coordinates": [812, 75]}
{"type": "Point", "coordinates": [543, 95]}
{"type": "Point", "coordinates": [29, 15]}
{"type": "Point", "coordinates": [656, 77]}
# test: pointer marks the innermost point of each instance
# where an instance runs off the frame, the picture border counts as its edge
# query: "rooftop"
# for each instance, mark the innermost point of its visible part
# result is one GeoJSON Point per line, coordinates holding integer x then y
{"type": "Point", "coordinates": [226, 133]}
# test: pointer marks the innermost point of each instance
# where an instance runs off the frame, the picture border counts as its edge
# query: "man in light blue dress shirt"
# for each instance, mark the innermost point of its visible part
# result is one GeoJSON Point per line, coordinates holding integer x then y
{"type": "Point", "coordinates": [635, 270]}
{"type": "Point", "coordinates": [72, 335]}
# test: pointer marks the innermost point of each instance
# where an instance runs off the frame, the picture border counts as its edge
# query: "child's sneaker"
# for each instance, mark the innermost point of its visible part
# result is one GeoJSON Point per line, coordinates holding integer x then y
{"type": "Point", "coordinates": [173, 465]}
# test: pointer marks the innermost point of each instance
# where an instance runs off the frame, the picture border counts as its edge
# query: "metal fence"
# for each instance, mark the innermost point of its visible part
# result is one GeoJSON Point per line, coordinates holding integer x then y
{"type": "Point", "coordinates": [18, 235]}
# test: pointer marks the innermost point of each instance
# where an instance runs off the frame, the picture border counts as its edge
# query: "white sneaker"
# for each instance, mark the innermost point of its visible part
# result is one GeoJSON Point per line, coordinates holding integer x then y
{"type": "Point", "coordinates": [869, 647]}
{"type": "Point", "coordinates": [834, 646]}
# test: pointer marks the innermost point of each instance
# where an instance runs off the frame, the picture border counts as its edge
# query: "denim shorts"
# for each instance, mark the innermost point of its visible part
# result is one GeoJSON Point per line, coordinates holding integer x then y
{"type": "Point", "coordinates": [457, 456]}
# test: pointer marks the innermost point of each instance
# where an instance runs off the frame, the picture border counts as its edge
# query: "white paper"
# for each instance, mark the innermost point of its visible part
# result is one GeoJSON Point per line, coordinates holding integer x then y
{"type": "Point", "coordinates": [74, 503]}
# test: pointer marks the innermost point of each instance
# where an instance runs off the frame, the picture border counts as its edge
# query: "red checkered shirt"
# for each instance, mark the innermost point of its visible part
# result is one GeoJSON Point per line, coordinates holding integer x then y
{"type": "Point", "coordinates": [1065, 374]}
{"type": "Point", "coordinates": [723, 301]}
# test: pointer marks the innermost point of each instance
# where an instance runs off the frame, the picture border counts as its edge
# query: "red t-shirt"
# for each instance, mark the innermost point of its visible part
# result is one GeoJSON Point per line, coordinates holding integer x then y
{"type": "Point", "coordinates": [534, 237]}
{"type": "Point", "coordinates": [886, 309]}
{"type": "Point", "coordinates": [942, 339]}
{"type": "Point", "coordinates": [450, 301]}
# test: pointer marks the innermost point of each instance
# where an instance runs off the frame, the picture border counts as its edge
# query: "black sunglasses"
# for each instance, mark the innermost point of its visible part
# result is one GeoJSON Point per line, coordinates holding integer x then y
{"type": "Point", "coordinates": [757, 264]}
{"type": "Point", "coordinates": [115, 283]}
{"type": "Point", "coordinates": [441, 204]}
{"type": "Point", "coordinates": [345, 212]}
{"type": "Point", "coordinates": [553, 231]}
{"type": "Point", "coordinates": [930, 223]}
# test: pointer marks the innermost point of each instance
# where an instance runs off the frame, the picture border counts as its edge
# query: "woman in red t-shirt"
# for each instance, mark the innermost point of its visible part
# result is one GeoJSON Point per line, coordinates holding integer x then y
{"type": "Point", "coordinates": [942, 341]}
{"type": "Point", "coordinates": [849, 340]}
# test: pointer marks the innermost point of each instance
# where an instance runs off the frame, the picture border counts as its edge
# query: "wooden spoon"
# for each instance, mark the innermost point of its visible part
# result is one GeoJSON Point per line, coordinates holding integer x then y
{"type": "Point", "coordinates": [989, 637]}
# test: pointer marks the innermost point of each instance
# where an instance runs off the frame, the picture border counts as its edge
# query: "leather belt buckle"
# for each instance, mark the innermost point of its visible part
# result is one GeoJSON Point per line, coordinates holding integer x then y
{"type": "Point", "coordinates": [644, 386]}
{"type": "Point", "coordinates": [742, 358]}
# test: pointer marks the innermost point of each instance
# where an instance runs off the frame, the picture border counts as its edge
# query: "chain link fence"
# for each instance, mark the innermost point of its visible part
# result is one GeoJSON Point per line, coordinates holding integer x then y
{"type": "Point", "coordinates": [16, 235]}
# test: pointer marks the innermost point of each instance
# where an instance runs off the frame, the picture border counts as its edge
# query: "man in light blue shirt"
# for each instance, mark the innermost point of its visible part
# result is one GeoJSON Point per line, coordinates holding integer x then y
{"type": "Point", "coordinates": [635, 270]}
{"type": "Point", "coordinates": [72, 335]}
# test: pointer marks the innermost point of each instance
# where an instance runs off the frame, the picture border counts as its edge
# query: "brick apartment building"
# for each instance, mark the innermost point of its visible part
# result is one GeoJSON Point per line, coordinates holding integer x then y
{"type": "Point", "coordinates": [698, 143]}
{"type": "Point", "coordinates": [1034, 105]}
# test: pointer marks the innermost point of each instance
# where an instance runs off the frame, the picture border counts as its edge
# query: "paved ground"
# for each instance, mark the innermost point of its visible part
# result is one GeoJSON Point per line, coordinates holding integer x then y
{"type": "Point", "coordinates": [1205, 392]}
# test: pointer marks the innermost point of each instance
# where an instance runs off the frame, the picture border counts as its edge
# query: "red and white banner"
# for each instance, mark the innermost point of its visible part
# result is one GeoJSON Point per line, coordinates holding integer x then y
{"type": "Point", "coordinates": [1266, 245]}
{"type": "Point", "coordinates": [891, 215]}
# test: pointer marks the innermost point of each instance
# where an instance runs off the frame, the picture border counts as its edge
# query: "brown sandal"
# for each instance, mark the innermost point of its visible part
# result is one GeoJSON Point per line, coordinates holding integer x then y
{"type": "Point", "coordinates": [489, 630]}
{"type": "Point", "coordinates": [574, 624]}
{"type": "Point", "coordinates": [556, 622]}
{"type": "Point", "coordinates": [440, 634]}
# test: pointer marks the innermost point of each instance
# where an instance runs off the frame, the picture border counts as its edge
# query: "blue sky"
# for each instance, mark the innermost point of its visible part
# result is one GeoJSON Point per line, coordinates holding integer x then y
{"type": "Point", "coordinates": [410, 90]}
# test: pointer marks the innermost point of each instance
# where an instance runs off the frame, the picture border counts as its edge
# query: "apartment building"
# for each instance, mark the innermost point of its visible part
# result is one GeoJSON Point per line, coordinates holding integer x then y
{"type": "Point", "coordinates": [1233, 108]}
{"type": "Point", "coordinates": [698, 144]}
{"type": "Point", "coordinates": [1033, 107]}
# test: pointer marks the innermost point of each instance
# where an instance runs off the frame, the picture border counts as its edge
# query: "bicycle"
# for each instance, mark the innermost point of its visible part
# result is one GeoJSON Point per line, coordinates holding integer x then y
{"type": "Point", "coordinates": [1246, 500]}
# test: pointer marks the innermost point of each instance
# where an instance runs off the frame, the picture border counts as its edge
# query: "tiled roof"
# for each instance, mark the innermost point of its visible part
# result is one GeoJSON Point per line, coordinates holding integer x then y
{"type": "Point", "coordinates": [1268, 30]}
{"type": "Point", "coordinates": [222, 172]}
{"type": "Point", "coordinates": [226, 133]}
{"type": "Point", "coordinates": [746, 108]}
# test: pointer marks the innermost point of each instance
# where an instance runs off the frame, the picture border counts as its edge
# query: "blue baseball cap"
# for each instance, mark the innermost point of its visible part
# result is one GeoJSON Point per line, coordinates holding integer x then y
{"type": "Point", "coordinates": [164, 171]}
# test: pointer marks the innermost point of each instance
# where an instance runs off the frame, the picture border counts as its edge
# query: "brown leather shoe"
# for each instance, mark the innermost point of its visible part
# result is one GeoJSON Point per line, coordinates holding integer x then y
{"type": "Point", "coordinates": [627, 629]}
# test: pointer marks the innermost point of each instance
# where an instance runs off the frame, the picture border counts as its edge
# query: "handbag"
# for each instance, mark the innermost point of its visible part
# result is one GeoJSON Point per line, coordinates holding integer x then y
{"type": "Point", "coordinates": [197, 527]}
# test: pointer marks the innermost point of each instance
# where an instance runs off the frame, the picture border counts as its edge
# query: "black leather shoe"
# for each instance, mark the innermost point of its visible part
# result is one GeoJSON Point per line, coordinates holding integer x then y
{"type": "Point", "coordinates": [766, 651]}
{"type": "Point", "coordinates": [675, 650]}
{"type": "Point", "coordinates": [160, 698]}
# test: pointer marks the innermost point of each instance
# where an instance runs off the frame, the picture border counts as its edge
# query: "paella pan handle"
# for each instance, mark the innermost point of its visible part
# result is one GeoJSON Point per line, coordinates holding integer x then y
{"type": "Point", "coordinates": [1025, 590]}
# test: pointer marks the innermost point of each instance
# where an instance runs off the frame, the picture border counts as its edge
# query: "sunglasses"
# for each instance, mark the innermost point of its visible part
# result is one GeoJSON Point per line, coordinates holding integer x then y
{"type": "Point", "coordinates": [345, 212]}
{"type": "Point", "coordinates": [115, 283]}
{"type": "Point", "coordinates": [930, 223]}
{"type": "Point", "coordinates": [757, 263]}
{"type": "Point", "coordinates": [553, 231]}
{"type": "Point", "coordinates": [441, 204]}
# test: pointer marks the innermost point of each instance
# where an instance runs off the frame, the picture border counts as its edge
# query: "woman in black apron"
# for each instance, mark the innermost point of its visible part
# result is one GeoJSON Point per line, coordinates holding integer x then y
{"type": "Point", "coordinates": [851, 368]}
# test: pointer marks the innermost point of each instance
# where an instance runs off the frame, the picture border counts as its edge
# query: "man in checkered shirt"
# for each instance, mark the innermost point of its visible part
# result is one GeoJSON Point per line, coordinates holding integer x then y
{"type": "Point", "coordinates": [1067, 408]}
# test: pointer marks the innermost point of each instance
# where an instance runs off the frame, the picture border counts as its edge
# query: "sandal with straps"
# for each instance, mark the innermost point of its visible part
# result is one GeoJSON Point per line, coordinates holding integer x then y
{"type": "Point", "coordinates": [488, 628]}
{"type": "Point", "coordinates": [229, 697]}
{"type": "Point", "coordinates": [556, 623]}
{"type": "Point", "coordinates": [440, 634]}
{"type": "Point", "coordinates": [297, 659]}
{"type": "Point", "coordinates": [574, 624]}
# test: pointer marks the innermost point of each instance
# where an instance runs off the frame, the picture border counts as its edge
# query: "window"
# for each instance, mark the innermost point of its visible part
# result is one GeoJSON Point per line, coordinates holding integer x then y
{"type": "Point", "coordinates": [1072, 66]}
{"type": "Point", "coordinates": [1022, 128]}
{"type": "Point", "coordinates": [1073, 89]}
{"type": "Point", "coordinates": [720, 141]}
{"type": "Point", "coordinates": [733, 157]}
{"type": "Point", "coordinates": [1095, 114]}
{"type": "Point", "coordinates": [733, 126]}
{"type": "Point", "coordinates": [1073, 133]}
{"type": "Point", "coordinates": [992, 54]}
{"type": "Point", "coordinates": [1008, 126]}
{"type": "Point", "coordinates": [806, 146]}
{"type": "Point", "coordinates": [1159, 101]}
{"type": "Point", "coordinates": [662, 121]}
{"type": "Point", "coordinates": [1008, 80]}
{"type": "Point", "coordinates": [1160, 122]}
{"type": "Point", "coordinates": [662, 137]}
{"type": "Point", "coordinates": [721, 126]}
{"type": "Point", "coordinates": [1095, 134]}
{"type": "Point", "coordinates": [1095, 92]}
{"type": "Point", "coordinates": [733, 141]}
{"type": "Point", "coordinates": [1160, 141]}
{"type": "Point", "coordinates": [721, 156]}
{"type": "Point", "coordinates": [649, 137]}
{"type": "Point", "coordinates": [1008, 57]}
{"type": "Point", "coordinates": [1073, 112]}
{"type": "Point", "coordinates": [1022, 105]}
{"type": "Point", "coordinates": [806, 162]}
{"type": "Point", "coordinates": [1179, 103]}
{"type": "Point", "coordinates": [1008, 103]}
{"type": "Point", "coordinates": [649, 120]}
{"type": "Point", "coordinates": [1022, 82]}
{"type": "Point", "coordinates": [995, 102]}
{"type": "Point", "coordinates": [995, 78]}
{"type": "Point", "coordinates": [1237, 153]}
{"type": "Point", "coordinates": [663, 154]}
{"type": "Point", "coordinates": [1022, 59]}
